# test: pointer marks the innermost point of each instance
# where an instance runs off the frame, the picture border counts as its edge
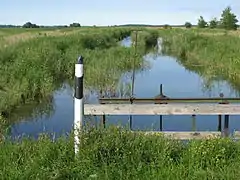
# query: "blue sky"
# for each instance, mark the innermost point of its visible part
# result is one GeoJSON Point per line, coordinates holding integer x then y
{"type": "Point", "coordinates": [110, 12]}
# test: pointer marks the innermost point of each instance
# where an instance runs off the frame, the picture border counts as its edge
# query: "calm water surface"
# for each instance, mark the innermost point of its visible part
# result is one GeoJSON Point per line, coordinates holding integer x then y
{"type": "Point", "coordinates": [177, 82]}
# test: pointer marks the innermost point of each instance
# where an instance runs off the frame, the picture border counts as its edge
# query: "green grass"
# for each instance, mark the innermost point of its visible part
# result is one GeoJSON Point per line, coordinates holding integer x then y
{"type": "Point", "coordinates": [146, 39]}
{"type": "Point", "coordinates": [9, 36]}
{"type": "Point", "coordinates": [213, 57]}
{"type": "Point", "coordinates": [114, 153]}
{"type": "Point", "coordinates": [33, 69]}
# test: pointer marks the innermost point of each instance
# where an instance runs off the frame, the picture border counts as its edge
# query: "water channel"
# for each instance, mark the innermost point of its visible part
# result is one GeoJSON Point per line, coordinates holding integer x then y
{"type": "Point", "coordinates": [177, 82]}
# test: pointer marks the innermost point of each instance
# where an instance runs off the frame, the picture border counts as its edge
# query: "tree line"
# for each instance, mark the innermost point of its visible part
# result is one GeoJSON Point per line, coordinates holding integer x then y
{"type": "Point", "coordinates": [228, 21]}
{"type": "Point", "coordinates": [32, 25]}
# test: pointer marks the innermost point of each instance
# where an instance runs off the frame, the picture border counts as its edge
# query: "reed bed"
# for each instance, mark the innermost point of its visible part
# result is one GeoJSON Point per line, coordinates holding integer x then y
{"type": "Point", "coordinates": [33, 69]}
{"type": "Point", "coordinates": [214, 57]}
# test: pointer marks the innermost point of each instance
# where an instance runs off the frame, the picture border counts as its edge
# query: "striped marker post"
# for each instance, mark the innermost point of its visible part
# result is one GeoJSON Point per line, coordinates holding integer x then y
{"type": "Point", "coordinates": [78, 102]}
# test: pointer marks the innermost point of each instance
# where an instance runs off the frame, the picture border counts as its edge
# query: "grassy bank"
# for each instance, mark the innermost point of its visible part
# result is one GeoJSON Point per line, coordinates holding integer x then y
{"type": "Point", "coordinates": [214, 57]}
{"type": "Point", "coordinates": [33, 69]}
{"type": "Point", "coordinates": [119, 154]}
{"type": "Point", "coordinates": [9, 36]}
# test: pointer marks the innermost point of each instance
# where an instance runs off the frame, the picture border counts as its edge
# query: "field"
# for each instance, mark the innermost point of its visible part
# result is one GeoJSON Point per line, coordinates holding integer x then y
{"type": "Point", "coordinates": [40, 61]}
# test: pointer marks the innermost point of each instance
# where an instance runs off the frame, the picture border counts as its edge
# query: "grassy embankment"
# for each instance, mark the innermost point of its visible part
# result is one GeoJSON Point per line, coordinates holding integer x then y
{"type": "Point", "coordinates": [33, 69]}
{"type": "Point", "coordinates": [215, 56]}
{"type": "Point", "coordinates": [9, 36]}
{"type": "Point", "coordinates": [119, 154]}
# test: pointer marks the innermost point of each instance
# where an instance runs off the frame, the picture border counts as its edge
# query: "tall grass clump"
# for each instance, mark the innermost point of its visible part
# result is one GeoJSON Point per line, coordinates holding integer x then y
{"type": "Point", "coordinates": [3, 128]}
{"type": "Point", "coordinates": [146, 39]}
{"type": "Point", "coordinates": [213, 56]}
{"type": "Point", "coordinates": [115, 153]}
{"type": "Point", "coordinates": [33, 69]}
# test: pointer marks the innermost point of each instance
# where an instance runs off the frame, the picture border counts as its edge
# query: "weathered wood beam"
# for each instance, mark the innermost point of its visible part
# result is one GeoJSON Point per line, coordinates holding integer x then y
{"type": "Point", "coordinates": [163, 109]}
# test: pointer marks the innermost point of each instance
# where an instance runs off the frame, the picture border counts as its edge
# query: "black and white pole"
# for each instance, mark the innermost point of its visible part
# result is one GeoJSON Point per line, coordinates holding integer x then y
{"type": "Point", "coordinates": [78, 102]}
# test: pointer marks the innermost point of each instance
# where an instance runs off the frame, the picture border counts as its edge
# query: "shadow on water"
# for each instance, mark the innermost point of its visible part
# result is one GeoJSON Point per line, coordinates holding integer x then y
{"type": "Point", "coordinates": [177, 81]}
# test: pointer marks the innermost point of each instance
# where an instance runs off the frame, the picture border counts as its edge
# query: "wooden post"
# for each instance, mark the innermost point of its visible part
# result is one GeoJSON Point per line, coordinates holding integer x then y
{"type": "Point", "coordinates": [226, 126]}
{"type": "Point", "coordinates": [78, 102]}
{"type": "Point", "coordinates": [194, 128]}
{"type": "Point", "coordinates": [226, 119]}
{"type": "Point", "coordinates": [161, 96]}
{"type": "Point", "coordinates": [160, 117]}
{"type": "Point", "coordinates": [104, 121]}
{"type": "Point", "coordinates": [103, 117]}
{"type": "Point", "coordinates": [221, 95]}
{"type": "Point", "coordinates": [220, 123]}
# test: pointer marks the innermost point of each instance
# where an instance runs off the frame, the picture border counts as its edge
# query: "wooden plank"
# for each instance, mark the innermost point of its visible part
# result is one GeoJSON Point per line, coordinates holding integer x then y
{"type": "Point", "coordinates": [186, 135]}
{"type": "Point", "coordinates": [163, 109]}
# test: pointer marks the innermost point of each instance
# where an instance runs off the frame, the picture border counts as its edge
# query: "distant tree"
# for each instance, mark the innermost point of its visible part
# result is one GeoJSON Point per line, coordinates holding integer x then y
{"type": "Point", "coordinates": [228, 20]}
{"type": "Point", "coordinates": [188, 25]}
{"type": "Point", "coordinates": [30, 25]}
{"type": "Point", "coordinates": [27, 25]}
{"type": "Point", "coordinates": [75, 25]}
{"type": "Point", "coordinates": [213, 23]}
{"type": "Point", "coordinates": [202, 23]}
{"type": "Point", "coordinates": [167, 26]}
{"type": "Point", "coordinates": [8, 26]}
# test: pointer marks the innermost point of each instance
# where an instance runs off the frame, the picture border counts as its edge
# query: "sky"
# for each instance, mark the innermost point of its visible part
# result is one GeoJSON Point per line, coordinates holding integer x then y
{"type": "Point", "coordinates": [110, 12]}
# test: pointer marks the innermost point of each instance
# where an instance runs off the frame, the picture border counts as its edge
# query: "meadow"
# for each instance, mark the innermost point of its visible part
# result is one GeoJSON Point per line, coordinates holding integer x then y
{"type": "Point", "coordinates": [33, 68]}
